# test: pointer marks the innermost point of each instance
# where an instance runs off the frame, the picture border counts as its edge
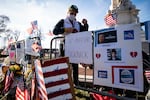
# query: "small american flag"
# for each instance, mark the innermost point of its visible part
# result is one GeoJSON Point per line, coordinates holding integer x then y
{"type": "Point", "coordinates": [33, 86]}
{"type": "Point", "coordinates": [42, 93]}
{"type": "Point", "coordinates": [22, 94]}
{"type": "Point", "coordinates": [34, 24]}
{"type": "Point", "coordinates": [8, 80]}
{"type": "Point", "coordinates": [110, 19]}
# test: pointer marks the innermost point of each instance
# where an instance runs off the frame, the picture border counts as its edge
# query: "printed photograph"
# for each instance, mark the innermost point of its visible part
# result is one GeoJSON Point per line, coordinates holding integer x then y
{"type": "Point", "coordinates": [107, 37]}
{"type": "Point", "coordinates": [126, 76]}
{"type": "Point", "coordinates": [114, 54]}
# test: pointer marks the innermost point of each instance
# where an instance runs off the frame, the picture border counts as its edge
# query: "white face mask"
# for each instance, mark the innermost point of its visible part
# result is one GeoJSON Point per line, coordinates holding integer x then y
{"type": "Point", "coordinates": [72, 17]}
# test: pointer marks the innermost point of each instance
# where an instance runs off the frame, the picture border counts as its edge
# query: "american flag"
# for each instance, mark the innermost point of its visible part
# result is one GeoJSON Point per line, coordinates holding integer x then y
{"type": "Point", "coordinates": [8, 81]}
{"type": "Point", "coordinates": [42, 93]}
{"type": "Point", "coordinates": [110, 19]}
{"type": "Point", "coordinates": [50, 33]}
{"type": "Point", "coordinates": [57, 79]}
{"type": "Point", "coordinates": [34, 25]}
{"type": "Point", "coordinates": [33, 82]}
{"type": "Point", "coordinates": [22, 94]}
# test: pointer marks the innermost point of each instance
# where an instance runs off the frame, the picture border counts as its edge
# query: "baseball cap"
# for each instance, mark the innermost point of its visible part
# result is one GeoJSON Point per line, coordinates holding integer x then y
{"type": "Point", "coordinates": [73, 8]}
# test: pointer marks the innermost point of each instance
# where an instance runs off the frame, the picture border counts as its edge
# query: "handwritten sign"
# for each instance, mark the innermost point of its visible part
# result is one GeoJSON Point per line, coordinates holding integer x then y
{"type": "Point", "coordinates": [78, 47]}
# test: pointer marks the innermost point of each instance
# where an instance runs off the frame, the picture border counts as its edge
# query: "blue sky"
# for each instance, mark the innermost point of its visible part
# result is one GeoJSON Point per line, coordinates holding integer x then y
{"type": "Point", "coordinates": [49, 12]}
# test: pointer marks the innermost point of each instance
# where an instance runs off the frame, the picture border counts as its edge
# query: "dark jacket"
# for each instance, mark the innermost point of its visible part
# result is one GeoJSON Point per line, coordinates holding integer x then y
{"type": "Point", "coordinates": [59, 27]}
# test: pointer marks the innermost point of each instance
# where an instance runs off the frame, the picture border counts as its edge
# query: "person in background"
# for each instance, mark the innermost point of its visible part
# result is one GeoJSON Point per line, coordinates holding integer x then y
{"type": "Point", "coordinates": [85, 24]}
{"type": "Point", "coordinates": [71, 25]}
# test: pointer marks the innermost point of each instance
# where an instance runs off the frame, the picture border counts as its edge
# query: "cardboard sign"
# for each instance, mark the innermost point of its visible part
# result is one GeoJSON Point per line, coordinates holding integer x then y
{"type": "Point", "coordinates": [20, 51]}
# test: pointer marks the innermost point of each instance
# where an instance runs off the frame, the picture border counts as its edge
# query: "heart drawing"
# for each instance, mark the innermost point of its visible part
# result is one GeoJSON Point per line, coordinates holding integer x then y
{"type": "Point", "coordinates": [98, 55]}
{"type": "Point", "coordinates": [133, 54]}
{"type": "Point", "coordinates": [12, 54]}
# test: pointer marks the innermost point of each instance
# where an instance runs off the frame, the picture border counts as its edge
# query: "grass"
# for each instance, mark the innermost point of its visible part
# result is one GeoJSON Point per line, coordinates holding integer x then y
{"type": "Point", "coordinates": [82, 95]}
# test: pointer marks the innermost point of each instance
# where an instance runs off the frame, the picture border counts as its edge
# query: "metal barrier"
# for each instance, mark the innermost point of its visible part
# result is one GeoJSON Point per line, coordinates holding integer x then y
{"type": "Point", "coordinates": [51, 46]}
{"type": "Point", "coordinates": [84, 84]}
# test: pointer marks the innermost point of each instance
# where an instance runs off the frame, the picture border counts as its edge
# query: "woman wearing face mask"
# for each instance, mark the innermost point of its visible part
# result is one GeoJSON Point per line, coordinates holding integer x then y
{"type": "Point", "coordinates": [67, 26]}
{"type": "Point", "coordinates": [70, 24]}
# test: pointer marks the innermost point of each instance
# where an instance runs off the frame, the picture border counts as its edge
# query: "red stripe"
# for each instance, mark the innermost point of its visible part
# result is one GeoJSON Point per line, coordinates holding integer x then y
{"type": "Point", "coordinates": [57, 83]}
{"type": "Point", "coordinates": [58, 93]}
{"type": "Point", "coordinates": [54, 73]}
{"type": "Point", "coordinates": [39, 72]}
{"type": "Point", "coordinates": [42, 93]}
{"type": "Point", "coordinates": [41, 82]}
{"type": "Point", "coordinates": [55, 61]}
{"type": "Point", "coordinates": [8, 80]}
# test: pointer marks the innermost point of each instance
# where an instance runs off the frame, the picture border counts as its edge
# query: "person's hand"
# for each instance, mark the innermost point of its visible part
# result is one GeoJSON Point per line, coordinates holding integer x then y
{"type": "Point", "coordinates": [70, 30]}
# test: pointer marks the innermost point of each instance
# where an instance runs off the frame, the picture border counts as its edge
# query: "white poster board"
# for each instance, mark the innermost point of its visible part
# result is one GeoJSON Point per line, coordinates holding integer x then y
{"type": "Point", "coordinates": [20, 51]}
{"type": "Point", "coordinates": [78, 47]}
{"type": "Point", "coordinates": [147, 30]}
{"type": "Point", "coordinates": [118, 59]}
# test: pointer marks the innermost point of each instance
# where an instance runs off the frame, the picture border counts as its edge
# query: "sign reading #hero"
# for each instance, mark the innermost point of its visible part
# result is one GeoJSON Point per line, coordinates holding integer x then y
{"type": "Point", "coordinates": [78, 47]}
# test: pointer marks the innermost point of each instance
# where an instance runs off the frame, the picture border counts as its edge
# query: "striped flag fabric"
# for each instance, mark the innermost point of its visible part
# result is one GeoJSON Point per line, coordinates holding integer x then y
{"type": "Point", "coordinates": [42, 93]}
{"type": "Point", "coordinates": [57, 79]}
{"type": "Point", "coordinates": [8, 80]}
{"type": "Point", "coordinates": [22, 94]}
{"type": "Point", "coordinates": [33, 82]}
{"type": "Point", "coordinates": [110, 19]}
{"type": "Point", "coordinates": [147, 75]}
